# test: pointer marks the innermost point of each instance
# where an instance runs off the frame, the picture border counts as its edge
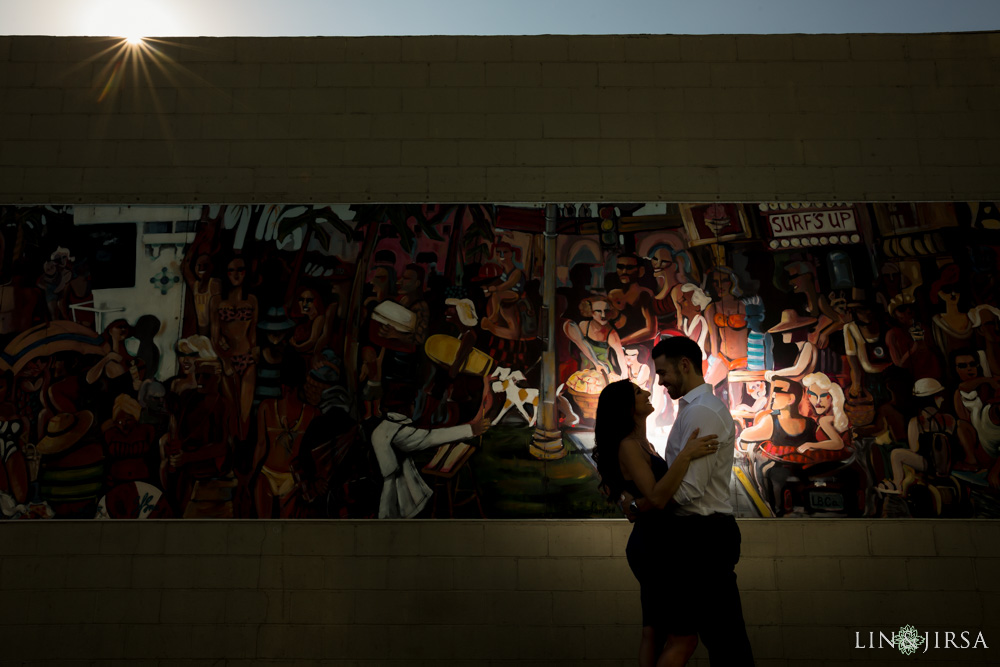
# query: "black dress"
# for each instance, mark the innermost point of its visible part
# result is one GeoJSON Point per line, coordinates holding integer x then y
{"type": "Point", "coordinates": [646, 557]}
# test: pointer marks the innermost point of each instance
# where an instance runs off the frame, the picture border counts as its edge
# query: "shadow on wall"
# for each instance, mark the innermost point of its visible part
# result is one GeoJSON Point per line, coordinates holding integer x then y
{"type": "Point", "coordinates": [389, 360]}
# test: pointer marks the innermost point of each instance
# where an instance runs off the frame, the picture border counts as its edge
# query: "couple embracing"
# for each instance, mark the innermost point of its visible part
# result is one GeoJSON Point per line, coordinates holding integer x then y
{"type": "Point", "coordinates": [685, 542]}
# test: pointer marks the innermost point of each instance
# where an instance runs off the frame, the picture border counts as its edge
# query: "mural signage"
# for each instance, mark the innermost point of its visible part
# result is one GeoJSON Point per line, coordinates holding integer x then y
{"type": "Point", "coordinates": [425, 360]}
{"type": "Point", "coordinates": [810, 224]}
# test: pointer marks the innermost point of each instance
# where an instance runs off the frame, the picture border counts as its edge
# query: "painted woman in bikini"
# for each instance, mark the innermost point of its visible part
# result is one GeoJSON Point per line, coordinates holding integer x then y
{"type": "Point", "coordinates": [281, 424]}
{"type": "Point", "coordinates": [727, 319]}
{"type": "Point", "coordinates": [234, 337]}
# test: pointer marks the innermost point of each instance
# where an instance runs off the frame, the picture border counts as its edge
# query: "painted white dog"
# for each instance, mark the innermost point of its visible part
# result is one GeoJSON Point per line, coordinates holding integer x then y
{"type": "Point", "coordinates": [515, 396]}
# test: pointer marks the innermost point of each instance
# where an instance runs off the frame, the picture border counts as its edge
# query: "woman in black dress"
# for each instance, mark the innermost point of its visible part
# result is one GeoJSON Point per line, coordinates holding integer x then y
{"type": "Point", "coordinates": [628, 463]}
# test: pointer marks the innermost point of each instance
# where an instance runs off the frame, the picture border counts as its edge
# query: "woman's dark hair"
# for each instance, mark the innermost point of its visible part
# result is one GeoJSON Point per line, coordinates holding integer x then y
{"type": "Point", "coordinates": [615, 409]}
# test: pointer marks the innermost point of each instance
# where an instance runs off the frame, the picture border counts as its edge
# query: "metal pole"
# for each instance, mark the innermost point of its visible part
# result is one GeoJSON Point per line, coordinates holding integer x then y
{"type": "Point", "coordinates": [547, 442]}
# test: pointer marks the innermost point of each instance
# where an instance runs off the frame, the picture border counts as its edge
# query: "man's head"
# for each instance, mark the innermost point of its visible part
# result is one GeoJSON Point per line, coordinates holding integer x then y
{"type": "Point", "coordinates": [785, 394]}
{"type": "Point", "coordinates": [628, 268]}
{"type": "Point", "coordinates": [966, 364]}
{"type": "Point", "coordinates": [800, 274]}
{"type": "Point", "coordinates": [678, 365]}
{"type": "Point", "coordinates": [412, 280]}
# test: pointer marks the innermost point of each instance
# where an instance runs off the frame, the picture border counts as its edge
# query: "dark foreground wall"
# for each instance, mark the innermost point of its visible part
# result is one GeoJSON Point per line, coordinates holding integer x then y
{"type": "Point", "coordinates": [472, 593]}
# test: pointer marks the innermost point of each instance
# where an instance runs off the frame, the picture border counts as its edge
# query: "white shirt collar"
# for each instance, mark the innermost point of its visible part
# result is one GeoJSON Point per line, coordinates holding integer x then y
{"type": "Point", "coordinates": [698, 391]}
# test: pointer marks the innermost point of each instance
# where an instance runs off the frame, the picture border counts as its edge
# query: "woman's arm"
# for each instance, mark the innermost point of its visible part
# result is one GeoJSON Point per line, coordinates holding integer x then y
{"type": "Point", "coordinates": [804, 363]}
{"type": "Point", "coordinates": [648, 330]}
{"type": "Point", "coordinates": [575, 334]}
{"type": "Point", "coordinates": [615, 343]}
{"type": "Point", "coordinates": [633, 459]}
{"type": "Point", "coordinates": [833, 440]}
{"type": "Point", "coordinates": [512, 280]}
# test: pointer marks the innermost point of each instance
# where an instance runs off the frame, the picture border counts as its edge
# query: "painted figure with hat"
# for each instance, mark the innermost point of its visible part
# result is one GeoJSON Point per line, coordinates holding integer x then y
{"type": "Point", "coordinates": [118, 371]}
{"type": "Point", "coordinates": [802, 279]}
{"type": "Point", "coordinates": [794, 328]}
{"type": "Point", "coordinates": [952, 327]}
{"type": "Point", "coordinates": [453, 394]}
{"type": "Point", "coordinates": [72, 471]}
{"type": "Point", "coordinates": [401, 327]}
{"type": "Point", "coordinates": [281, 424]}
{"type": "Point", "coordinates": [909, 346]}
{"type": "Point", "coordinates": [275, 327]}
{"type": "Point", "coordinates": [865, 345]}
{"type": "Point", "coordinates": [931, 437]}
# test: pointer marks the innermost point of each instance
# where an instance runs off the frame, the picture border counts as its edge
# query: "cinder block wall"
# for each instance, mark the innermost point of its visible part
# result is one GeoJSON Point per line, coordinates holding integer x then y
{"type": "Point", "coordinates": [860, 117]}
{"type": "Point", "coordinates": [430, 593]}
{"type": "Point", "coordinates": [556, 118]}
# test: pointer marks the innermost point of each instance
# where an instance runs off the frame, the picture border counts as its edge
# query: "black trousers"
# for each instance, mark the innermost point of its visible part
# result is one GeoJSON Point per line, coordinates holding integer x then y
{"type": "Point", "coordinates": [686, 572]}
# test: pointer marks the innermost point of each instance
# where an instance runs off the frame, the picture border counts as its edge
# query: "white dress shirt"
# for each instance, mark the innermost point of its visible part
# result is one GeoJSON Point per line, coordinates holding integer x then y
{"type": "Point", "coordinates": [705, 487]}
{"type": "Point", "coordinates": [404, 491]}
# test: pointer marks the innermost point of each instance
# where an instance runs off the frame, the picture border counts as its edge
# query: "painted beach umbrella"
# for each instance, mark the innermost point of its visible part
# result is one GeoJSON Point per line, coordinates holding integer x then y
{"type": "Point", "coordinates": [44, 340]}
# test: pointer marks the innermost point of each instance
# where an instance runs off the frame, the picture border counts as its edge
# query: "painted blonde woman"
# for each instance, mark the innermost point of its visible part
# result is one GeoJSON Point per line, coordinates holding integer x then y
{"type": "Point", "coordinates": [826, 398]}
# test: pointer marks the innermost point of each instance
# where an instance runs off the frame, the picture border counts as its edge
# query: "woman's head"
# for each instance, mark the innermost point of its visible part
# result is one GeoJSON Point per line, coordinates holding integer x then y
{"type": "Point", "coordinates": [615, 419]}
{"type": "Point", "coordinates": [307, 303]}
{"type": "Point", "coordinates": [117, 331]}
{"type": "Point", "coordinates": [724, 281]}
{"type": "Point", "coordinates": [692, 297]}
{"type": "Point", "coordinates": [826, 397]}
{"type": "Point", "coordinates": [598, 308]}
{"type": "Point", "coordinates": [236, 271]}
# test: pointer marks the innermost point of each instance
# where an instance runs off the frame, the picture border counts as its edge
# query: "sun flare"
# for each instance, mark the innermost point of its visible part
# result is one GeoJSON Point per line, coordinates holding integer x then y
{"type": "Point", "coordinates": [130, 19]}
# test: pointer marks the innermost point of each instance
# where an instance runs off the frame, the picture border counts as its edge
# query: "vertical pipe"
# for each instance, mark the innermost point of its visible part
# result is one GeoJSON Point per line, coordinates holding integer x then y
{"type": "Point", "coordinates": [547, 441]}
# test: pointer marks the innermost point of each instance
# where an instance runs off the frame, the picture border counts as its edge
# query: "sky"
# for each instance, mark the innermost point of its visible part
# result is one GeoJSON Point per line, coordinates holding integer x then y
{"type": "Point", "coordinates": [266, 18]}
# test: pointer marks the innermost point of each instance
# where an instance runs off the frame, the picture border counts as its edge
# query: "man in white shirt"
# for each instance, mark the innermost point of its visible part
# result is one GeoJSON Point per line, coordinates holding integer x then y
{"type": "Point", "coordinates": [703, 532]}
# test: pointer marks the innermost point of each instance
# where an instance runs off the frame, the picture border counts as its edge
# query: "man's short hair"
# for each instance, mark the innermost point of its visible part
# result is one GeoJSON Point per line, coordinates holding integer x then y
{"type": "Point", "coordinates": [679, 347]}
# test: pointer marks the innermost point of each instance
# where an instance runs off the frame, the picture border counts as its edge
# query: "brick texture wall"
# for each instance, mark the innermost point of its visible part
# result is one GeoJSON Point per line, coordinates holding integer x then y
{"type": "Point", "coordinates": [860, 117]}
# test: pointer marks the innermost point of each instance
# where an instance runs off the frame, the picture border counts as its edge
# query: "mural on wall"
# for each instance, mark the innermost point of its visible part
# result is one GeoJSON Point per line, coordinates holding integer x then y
{"type": "Point", "coordinates": [409, 360]}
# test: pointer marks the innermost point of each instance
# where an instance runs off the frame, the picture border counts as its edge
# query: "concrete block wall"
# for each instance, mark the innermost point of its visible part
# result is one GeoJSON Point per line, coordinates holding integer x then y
{"type": "Point", "coordinates": [431, 593]}
{"type": "Point", "coordinates": [563, 118]}
{"type": "Point", "coordinates": [735, 118]}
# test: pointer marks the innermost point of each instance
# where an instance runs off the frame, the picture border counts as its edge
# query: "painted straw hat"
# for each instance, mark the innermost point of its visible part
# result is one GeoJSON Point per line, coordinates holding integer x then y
{"type": "Point", "coordinates": [790, 319]}
{"type": "Point", "coordinates": [64, 430]}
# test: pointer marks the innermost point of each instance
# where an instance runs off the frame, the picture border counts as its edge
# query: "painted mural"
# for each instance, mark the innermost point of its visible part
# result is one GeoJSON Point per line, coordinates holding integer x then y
{"type": "Point", "coordinates": [366, 361]}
